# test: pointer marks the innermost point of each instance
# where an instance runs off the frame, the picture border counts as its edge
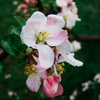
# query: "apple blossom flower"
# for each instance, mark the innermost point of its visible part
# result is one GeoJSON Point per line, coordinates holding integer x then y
{"type": "Point", "coordinates": [65, 50]}
{"type": "Point", "coordinates": [86, 85]}
{"type": "Point", "coordinates": [62, 3]}
{"type": "Point", "coordinates": [97, 78]}
{"type": "Point", "coordinates": [52, 87]}
{"type": "Point", "coordinates": [68, 14]}
{"type": "Point", "coordinates": [39, 30]}
{"type": "Point", "coordinates": [33, 81]}
{"type": "Point", "coordinates": [76, 45]}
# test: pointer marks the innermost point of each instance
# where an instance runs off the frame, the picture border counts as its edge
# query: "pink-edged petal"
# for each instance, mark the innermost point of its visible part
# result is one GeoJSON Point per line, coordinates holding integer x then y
{"type": "Point", "coordinates": [46, 57]}
{"type": "Point", "coordinates": [60, 89]}
{"type": "Point", "coordinates": [50, 87]}
{"type": "Point", "coordinates": [65, 48]}
{"type": "Point", "coordinates": [54, 24]}
{"type": "Point", "coordinates": [37, 21]}
{"type": "Point", "coordinates": [27, 37]}
{"type": "Point", "coordinates": [42, 74]}
{"type": "Point", "coordinates": [71, 60]}
{"type": "Point", "coordinates": [33, 83]}
{"type": "Point", "coordinates": [54, 41]}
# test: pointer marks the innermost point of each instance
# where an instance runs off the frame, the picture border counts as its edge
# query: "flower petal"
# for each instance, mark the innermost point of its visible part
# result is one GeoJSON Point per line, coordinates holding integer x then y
{"type": "Point", "coordinates": [33, 83]}
{"type": "Point", "coordinates": [42, 74]}
{"type": "Point", "coordinates": [27, 37]}
{"type": "Point", "coordinates": [54, 24]}
{"type": "Point", "coordinates": [50, 87]}
{"type": "Point", "coordinates": [37, 21]}
{"type": "Point", "coordinates": [60, 89]}
{"type": "Point", "coordinates": [65, 48]}
{"type": "Point", "coordinates": [46, 57]}
{"type": "Point", "coordinates": [71, 60]}
{"type": "Point", "coordinates": [54, 41]}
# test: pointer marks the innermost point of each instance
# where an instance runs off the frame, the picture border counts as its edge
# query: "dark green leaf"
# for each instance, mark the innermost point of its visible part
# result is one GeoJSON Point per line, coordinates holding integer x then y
{"type": "Point", "coordinates": [14, 30]}
{"type": "Point", "coordinates": [21, 21]}
{"type": "Point", "coordinates": [21, 59]}
{"type": "Point", "coordinates": [12, 44]}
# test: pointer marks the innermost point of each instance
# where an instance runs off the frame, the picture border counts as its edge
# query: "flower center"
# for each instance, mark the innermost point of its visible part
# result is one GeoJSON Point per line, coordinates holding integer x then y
{"type": "Point", "coordinates": [30, 70]}
{"type": "Point", "coordinates": [59, 68]}
{"type": "Point", "coordinates": [66, 17]}
{"type": "Point", "coordinates": [42, 36]}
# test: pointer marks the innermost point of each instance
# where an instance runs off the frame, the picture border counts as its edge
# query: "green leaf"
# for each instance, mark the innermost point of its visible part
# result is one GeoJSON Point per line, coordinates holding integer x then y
{"type": "Point", "coordinates": [12, 44]}
{"type": "Point", "coordinates": [21, 21]}
{"type": "Point", "coordinates": [20, 60]}
{"type": "Point", "coordinates": [14, 30]}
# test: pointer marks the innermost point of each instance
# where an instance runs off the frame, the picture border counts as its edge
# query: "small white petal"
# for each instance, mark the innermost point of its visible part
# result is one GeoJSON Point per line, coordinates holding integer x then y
{"type": "Point", "coordinates": [71, 60]}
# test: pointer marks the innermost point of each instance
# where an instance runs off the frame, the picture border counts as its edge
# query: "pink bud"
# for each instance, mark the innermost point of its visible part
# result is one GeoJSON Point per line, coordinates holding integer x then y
{"type": "Point", "coordinates": [51, 87]}
{"type": "Point", "coordinates": [32, 1]}
{"type": "Point", "coordinates": [24, 6]}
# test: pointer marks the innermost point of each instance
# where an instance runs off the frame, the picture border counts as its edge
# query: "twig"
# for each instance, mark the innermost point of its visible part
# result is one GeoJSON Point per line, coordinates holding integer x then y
{"type": "Point", "coordinates": [18, 92]}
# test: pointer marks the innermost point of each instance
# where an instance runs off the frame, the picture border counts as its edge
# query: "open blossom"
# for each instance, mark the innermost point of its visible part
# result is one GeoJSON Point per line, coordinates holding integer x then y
{"type": "Point", "coordinates": [97, 78]}
{"type": "Point", "coordinates": [65, 50]}
{"type": "Point", "coordinates": [33, 81]}
{"type": "Point", "coordinates": [70, 18]}
{"type": "Point", "coordinates": [76, 45]}
{"type": "Point", "coordinates": [62, 3]}
{"type": "Point", "coordinates": [39, 30]}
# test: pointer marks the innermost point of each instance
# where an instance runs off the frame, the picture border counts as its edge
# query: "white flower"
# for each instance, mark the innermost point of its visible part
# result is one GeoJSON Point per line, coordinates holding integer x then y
{"type": "Point", "coordinates": [39, 30]}
{"type": "Point", "coordinates": [76, 45]}
{"type": "Point", "coordinates": [97, 78]}
{"type": "Point", "coordinates": [65, 50]}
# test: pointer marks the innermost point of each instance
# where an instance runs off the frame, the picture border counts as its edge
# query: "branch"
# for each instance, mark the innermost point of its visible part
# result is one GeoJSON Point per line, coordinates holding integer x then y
{"type": "Point", "coordinates": [18, 92]}
{"type": "Point", "coordinates": [90, 38]}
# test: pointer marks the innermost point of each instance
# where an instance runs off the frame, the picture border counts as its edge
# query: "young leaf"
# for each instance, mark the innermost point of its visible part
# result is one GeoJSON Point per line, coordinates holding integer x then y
{"type": "Point", "coordinates": [12, 44]}
{"type": "Point", "coordinates": [14, 30]}
{"type": "Point", "coordinates": [21, 21]}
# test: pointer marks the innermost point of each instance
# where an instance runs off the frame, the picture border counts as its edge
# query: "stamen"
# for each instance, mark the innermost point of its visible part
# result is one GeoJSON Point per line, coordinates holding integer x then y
{"type": "Point", "coordinates": [30, 70]}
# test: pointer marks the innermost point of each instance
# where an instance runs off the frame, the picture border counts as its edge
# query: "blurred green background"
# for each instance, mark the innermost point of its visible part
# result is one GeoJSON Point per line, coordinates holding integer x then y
{"type": "Point", "coordinates": [73, 77]}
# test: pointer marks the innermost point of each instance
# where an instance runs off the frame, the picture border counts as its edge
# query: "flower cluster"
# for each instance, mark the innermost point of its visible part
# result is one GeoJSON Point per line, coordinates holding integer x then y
{"type": "Point", "coordinates": [68, 12]}
{"type": "Point", "coordinates": [47, 47]}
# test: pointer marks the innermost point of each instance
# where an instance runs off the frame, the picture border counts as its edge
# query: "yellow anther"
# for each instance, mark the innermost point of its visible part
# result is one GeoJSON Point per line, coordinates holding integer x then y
{"type": "Point", "coordinates": [41, 38]}
{"type": "Point", "coordinates": [37, 35]}
{"type": "Point", "coordinates": [62, 64]}
{"type": "Point", "coordinates": [67, 37]}
{"type": "Point", "coordinates": [66, 17]}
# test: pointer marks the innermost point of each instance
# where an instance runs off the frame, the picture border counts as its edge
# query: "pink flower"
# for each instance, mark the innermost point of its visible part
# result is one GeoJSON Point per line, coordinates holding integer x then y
{"type": "Point", "coordinates": [68, 16]}
{"type": "Point", "coordinates": [34, 83]}
{"type": "Point", "coordinates": [32, 1]}
{"type": "Point", "coordinates": [62, 3]}
{"type": "Point", "coordinates": [39, 30]}
{"type": "Point", "coordinates": [52, 87]}
{"type": "Point", "coordinates": [24, 6]}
